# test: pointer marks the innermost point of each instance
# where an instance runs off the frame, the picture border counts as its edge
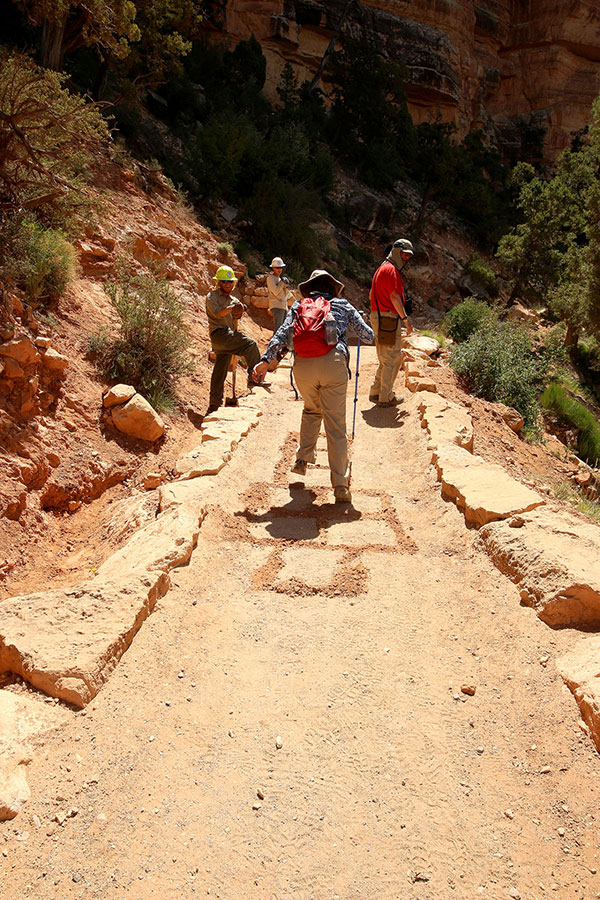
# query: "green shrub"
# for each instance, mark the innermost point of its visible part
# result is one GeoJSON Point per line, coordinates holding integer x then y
{"type": "Point", "coordinates": [478, 269]}
{"type": "Point", "coordinates": [556, 398]}
{"type": "Point", "coordinates": [151, 351]}
{"type": "Point", "coordinates": [467, 317]}
{"type": "Point", "coordinates": [38, 260]}
{"type": "Point", "coordinates": [498, 362]}
{"type": "Point", "coordinates": [567, 491]}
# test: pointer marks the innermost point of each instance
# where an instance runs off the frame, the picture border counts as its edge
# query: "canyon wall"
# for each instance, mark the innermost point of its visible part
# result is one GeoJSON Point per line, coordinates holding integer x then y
{"type": "Point", "coordinates": [505, 66]}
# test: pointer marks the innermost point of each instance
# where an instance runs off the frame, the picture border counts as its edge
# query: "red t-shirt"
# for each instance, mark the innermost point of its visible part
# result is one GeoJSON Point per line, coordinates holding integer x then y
{"type": "Point", "coordinates": [386, 279]}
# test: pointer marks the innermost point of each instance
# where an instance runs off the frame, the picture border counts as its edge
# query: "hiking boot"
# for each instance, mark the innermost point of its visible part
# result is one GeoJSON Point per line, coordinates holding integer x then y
{"type": "Point", "coordinates": [373, 398]}
{"type": "Point", "coordinates": [393, 401]}
{"type": "Point", "coordinates": [342, 494]}
{"type": "Point", "coordinates": [299, 467]}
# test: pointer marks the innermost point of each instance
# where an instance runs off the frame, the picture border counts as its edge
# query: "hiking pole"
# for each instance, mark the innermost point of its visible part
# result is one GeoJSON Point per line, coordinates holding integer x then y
{"type": "Point", "coordinates": [354, 414]}
{"type": "Point", "coordinates": [355, 389]}
{"type": "Point", "coordinates": [233, 400]}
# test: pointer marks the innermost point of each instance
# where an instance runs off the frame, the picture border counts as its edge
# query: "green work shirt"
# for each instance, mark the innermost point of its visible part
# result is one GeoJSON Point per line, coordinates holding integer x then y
{"type": "Point", "coordinates": [216, 301]}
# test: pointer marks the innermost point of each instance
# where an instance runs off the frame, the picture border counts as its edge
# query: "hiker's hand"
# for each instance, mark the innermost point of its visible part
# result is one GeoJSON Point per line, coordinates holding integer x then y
{"type": "Point", "coordinates": [259, 371]}
{"type": "Point", "coordinates": [238, 311]}
{"type": "Point", "coordinates": [409, 328]}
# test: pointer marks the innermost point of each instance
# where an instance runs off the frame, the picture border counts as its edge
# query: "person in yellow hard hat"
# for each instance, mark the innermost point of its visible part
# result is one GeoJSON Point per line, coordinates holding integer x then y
{"type": "Point", "coordinates": [223, 311]}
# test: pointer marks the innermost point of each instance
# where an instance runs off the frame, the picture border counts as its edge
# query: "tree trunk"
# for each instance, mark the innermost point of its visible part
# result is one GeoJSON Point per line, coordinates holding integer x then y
{"type": "Point", "coordinates": [330, 47]}
{"type": "Point", "coordinates": [51, 51]}
{"type": "Point", "coordinates": [572, 336]}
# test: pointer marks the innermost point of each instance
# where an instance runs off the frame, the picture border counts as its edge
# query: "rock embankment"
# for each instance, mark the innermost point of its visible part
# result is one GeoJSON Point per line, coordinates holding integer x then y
{"type": "Point", "coordinates": [552, 556]}
{"type": "Point", "coordinates": [66, 642]}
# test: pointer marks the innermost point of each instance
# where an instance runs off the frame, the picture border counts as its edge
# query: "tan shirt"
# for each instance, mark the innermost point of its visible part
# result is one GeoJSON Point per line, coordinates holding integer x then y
{"type": "Point", "coordinates": [278, 292]}
{"type": "Point", "coordinates": [216, 301]}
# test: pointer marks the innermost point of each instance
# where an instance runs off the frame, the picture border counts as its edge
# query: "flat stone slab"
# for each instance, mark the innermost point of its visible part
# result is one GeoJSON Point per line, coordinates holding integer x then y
{"type": "Point", "coordinates": [226, 430]}
{"type": "Point", "coordinates": [286, 528]}
{"type": "Point", "coordinates": [316, 476]}
{"type": "Point", "coordinates": [554, 558]}
{"type": "Point", "coordinates": [580, 670]}
{"type": "Point", "coordinates": [233, 414]}
{"type": "Point", "coordinates": [292, 498]}
{"type": "Point", "coordinates": [483, 491]}
{"type": "Point", "coordinates": [313, 566]}
{"type": "Point", "coordinates": [182, 493]}
{"type": "Point", "coordinates": [446, 422]}
{"type": "Point", "coordinates": [365, 502]}
{"type": "Point", "coordinates": [24, 722]}
{"type": "Point", "coordinates": [360, 533]}
{"type": "Point", "coordinates": [164, 544]}
{"type": "Point", "coordinates": [207, 458]}
{"type": "Point", "coordinates": [67, 642]}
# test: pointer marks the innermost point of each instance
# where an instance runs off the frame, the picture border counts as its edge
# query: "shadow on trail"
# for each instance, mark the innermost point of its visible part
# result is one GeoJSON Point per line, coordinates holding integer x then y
{"type": "Point", "coordinates": [303, 518]}
{"type": "Point", "coordinates": [376, 417]}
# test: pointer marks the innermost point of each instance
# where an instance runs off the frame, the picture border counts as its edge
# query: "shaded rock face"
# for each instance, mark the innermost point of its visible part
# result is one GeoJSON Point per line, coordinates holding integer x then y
{"type": "Point", "coordinates": [505, 66]}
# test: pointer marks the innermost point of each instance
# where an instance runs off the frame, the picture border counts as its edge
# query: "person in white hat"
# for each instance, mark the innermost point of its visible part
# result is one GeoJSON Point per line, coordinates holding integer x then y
{"type": "Point", "coordinates": [277, 286]}
{"type": "Point", "coordinates": [321, 373]}
{"type": "Point", "coordinates": [388, 316]}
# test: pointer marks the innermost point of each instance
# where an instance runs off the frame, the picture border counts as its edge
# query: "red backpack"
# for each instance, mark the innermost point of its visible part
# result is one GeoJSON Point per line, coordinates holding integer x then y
{"type": "Point", "coordinates": [310, 338]}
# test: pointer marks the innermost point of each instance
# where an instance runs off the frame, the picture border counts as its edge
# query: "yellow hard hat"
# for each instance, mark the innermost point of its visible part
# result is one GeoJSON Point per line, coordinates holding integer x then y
{"type": "Point", "coordinates": [225, 273]}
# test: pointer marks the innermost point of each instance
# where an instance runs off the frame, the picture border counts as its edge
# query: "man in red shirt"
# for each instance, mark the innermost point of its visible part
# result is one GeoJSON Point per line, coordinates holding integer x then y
{"type": "Point", "coordinates": [388, 315]}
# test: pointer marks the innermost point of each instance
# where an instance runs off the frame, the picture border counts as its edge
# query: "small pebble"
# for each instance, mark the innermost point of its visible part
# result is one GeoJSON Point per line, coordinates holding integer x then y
{"type": "Point", "coordinates": [545, 770]}
{"type": "Point", "coordinates": [480, 749]}
{"type": "Point", "coordinates": [468, 689]}
{"type": "Point", "coordinates": [260, 794]}
{"type": "Point", "coordinates": [514, 894]}
{"type": "Point", "coordinates": [509, 814]}
{"type": "Point", "coordinates": [561, 832]}
{"type": "Point", "coordinates": [278, 743]}
{"type": "Point", "coordinates": [256, 805]}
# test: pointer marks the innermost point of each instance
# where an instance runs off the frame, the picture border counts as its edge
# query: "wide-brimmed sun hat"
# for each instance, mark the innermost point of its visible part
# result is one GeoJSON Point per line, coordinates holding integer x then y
{"type": "Point", "coordinates": [321, 280]}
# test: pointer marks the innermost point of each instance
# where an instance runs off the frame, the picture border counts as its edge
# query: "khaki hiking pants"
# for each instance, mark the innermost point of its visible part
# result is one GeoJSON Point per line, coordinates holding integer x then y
{"type": "Point", "coordinates": [382, 388]}
{"type": "Point", "coordinates": [323, 381]}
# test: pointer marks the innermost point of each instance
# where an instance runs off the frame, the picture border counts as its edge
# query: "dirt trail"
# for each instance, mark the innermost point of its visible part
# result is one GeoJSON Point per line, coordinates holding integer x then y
{"type": "Point", "coordinates": [347, 633]}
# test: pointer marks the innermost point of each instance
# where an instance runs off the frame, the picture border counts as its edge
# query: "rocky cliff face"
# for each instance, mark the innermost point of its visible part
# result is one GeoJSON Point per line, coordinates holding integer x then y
{"type": "Point", "coordinates": [506, 66]}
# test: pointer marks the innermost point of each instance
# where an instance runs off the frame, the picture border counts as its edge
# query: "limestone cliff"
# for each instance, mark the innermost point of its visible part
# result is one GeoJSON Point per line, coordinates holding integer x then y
{"type": "Point", "coordinates": [499, 65]}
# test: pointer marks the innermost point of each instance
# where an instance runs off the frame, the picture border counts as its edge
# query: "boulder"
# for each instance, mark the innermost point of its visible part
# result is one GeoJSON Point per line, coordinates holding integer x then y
{"type": "Point", "coordinates": [54, 361]}
{"type": "Point", "coordinates": [580, 670]}
{"type": "Point", "coordinates": [13, 370]}
{"type": "Point", "coordinates": [138, 420]}
{"type": "Point", "coordinates": [483, 491]}
{"type": "Point", "coordinates": [554, 558]}
{"type": "Point", "coordinates": [421, 343]}
{"type": "Point", "coordinates": [117, 394]}
{"type": "Point", "coordinates": [420, 382]}
{"type": "Point", "coordinates": [21, 350]}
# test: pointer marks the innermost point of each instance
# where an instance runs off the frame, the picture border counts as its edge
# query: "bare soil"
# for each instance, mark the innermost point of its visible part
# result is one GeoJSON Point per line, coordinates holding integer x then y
{"type": "Point", "coordinates": [290, 722]}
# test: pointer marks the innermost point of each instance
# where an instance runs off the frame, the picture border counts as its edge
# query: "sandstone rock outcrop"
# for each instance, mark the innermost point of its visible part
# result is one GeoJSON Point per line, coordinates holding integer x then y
{"type": "Point", "coordinates": [505, 67]}
{"type": "Point", "coordinates": [483, 491]}
{"type": "Point", "coordinates": [580, 670]}
{"type": "Point", "coordinates": [554, 558]}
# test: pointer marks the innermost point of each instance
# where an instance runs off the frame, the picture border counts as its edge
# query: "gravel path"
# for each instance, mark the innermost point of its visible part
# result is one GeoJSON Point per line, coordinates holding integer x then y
{"type": "Point", "coordinates": [290, 722]}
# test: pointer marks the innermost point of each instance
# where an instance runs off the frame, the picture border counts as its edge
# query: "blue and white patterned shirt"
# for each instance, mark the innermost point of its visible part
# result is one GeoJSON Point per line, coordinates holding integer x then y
{"type": "Point", "coordinates": [344, 314]}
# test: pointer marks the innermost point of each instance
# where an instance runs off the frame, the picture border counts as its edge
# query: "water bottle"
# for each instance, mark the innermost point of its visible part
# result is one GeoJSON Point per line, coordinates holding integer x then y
{"type": "Point", "coordinates": [330, 330]}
